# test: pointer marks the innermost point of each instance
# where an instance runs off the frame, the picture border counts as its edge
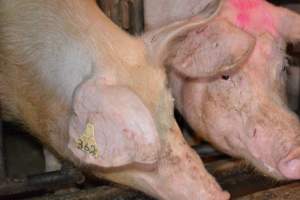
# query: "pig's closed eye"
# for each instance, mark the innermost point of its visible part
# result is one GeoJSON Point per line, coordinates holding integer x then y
{"type": "Point", "coordinates": [225, 77]}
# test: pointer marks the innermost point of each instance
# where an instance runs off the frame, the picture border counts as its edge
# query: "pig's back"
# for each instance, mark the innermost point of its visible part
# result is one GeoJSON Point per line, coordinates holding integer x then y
{"type": "Point", "coordinates": [41, 65]}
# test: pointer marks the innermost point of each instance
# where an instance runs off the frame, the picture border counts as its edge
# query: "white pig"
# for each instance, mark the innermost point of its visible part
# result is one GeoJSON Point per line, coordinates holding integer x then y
{"type": "Point", "coordinates": [241, 109]}
{"type": "Point", "coordinates": [98, 97]}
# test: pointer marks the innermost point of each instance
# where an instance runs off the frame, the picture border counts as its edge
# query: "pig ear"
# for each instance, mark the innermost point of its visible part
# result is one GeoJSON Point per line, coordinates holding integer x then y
{"type": "Point", "coordinates": [203, 10]}
{"type": "Point", "coordinates": [289, 24]}
{"type": "Point", "coordinates": [202, 50]}
{"type": "Point", "coordinates": [111, 127]}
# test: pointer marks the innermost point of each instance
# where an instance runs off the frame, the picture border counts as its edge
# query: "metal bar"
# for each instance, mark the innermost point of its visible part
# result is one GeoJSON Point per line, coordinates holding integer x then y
{"type": "Point", "coordinates": [128, 14]}
{"type": "Point", "coordinates": [287, 192]}
{"type": "Point", "coordinates": [2, 160]}
{"type": "Point", "coordinates": [239, 179]}
{"type": "Point", "coordinates": [136, 12]}
{"type": "Point", "coordinates": [103, 193]}
{"type": "Point", "coordinates": [46, 181]}
{"type": "Point", "coordinates": [208, 153]}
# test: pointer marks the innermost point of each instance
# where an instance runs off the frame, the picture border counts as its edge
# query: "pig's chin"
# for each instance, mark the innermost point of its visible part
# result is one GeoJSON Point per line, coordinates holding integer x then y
{"type": "Point", "coordinates": [286, 168]}
{"type": "Point", "coordinates": [279, 166]}
{"type": "Point", "coordinates": [266, 169]}
{"type": "Point", "coordinates": [258, 163]}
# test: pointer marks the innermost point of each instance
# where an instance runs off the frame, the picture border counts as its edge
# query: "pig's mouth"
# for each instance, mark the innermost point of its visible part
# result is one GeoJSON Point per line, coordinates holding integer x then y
{"type": "Point", "coordinates": [290, 166]}
{"type": "Point", "coordinates": [272, 143]}
{"type": "Point", "coordinates": [266, 169]}
{"type": "Point", "coordinates": [285, 168]}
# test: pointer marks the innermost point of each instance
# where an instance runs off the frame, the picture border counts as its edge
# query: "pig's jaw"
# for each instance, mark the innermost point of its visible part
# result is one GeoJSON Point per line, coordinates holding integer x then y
{"type": "Point", "coordinates": [271, 145]}
{"type": "Point", "coordinates": [265, 135]}
{"type": "Point", "coordinates": [180, 175]}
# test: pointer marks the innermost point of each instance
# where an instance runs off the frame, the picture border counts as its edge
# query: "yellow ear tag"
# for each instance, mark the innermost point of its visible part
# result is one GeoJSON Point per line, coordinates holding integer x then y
{"type": "Point", "coordinates": [87, 141]}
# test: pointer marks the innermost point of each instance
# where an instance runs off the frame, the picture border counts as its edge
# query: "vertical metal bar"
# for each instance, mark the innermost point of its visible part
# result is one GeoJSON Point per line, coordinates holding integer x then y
{"type": "Point", "coordinates": [2, 164]}
{"type": "Point", "coordinates": [100, 4]}
{"type": "Point", "coordinates": [115, 12]}
{"type": "Point", "coordinates": [128, 14]}
{"type": "Point", "coordinates": [136, 8]}
{"type": "Point", "coordinates": [298, 109]}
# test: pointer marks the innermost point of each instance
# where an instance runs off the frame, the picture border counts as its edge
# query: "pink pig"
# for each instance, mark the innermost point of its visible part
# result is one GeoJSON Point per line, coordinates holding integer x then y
{"type": "Point", "coordinates": [240, 107]}
{"type": "Point", "coordinates": [96, 96]}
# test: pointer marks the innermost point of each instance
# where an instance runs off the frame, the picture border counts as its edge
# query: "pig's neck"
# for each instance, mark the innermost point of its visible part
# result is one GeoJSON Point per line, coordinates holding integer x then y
{"type": "Point", "coordinates": [110, 41]}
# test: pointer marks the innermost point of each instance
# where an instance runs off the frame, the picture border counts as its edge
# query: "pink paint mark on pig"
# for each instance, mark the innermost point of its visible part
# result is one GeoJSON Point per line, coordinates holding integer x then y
{"type": "Point", "coordinates": [246, 4]}
{"type": "Point", "coordinates": [253, 16]}
{"type": "Point", "coordinates": [268, 22]}
{"type": "Point", "coordinates": [243, 19]}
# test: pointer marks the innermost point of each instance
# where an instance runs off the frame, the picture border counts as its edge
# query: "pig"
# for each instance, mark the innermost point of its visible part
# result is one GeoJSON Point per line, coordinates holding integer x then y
{"type": "Point", "coordinates": [96, 96]}
{"type": "Point", "coordinates": [240, 108]}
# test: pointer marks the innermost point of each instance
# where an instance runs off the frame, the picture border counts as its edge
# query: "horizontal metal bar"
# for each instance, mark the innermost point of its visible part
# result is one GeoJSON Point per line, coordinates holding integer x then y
{"type": "Point", "coordinates": [287, 192]}
{"type": "Point", "coordinates": [208, 153]}
{"type": "Point", "coordinates": [46, 181]}
{"type": "Point", "coordinates": [99, 193]}
{"type": "Point", "coordinates": [239, 179]}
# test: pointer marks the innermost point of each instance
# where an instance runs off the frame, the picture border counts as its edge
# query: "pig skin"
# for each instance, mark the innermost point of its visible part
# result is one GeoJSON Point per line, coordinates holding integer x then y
{"type": "Point", "coordinates": [50, 50]}
{"type": "Point", "coordinates": [242, 112]}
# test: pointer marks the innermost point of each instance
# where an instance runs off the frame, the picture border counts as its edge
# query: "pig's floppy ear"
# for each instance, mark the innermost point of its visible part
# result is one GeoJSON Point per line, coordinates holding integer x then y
{"type": "Point", "coordinates": [289, 24]}
{"type": "Point", "coordinates": [111, 127]}
{"type": "Point", "coordinates": [202, 50]}
{"type": "Point", "coordinates": [202, 10]}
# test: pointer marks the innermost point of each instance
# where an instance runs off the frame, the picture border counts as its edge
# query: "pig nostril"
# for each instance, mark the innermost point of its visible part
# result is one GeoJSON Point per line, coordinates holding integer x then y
{"type": "Point", "coordinates": [254, 133]}
{"type": "Point", "coordinates": [290, 169]}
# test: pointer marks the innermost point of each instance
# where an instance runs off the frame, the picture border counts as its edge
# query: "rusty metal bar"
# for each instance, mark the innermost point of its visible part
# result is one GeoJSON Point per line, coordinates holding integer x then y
{"type": "Point", "coordinates": [100, 193]}
{"type": "Point", "coordinates": [128, 14]}
{"type": "Point", "coordinates": [2, 160]}
{"type": "Point", "coordinates": [47, 181]}
{"type": "Point", "coordinates": [287, 192]}
{"type": "Point", "coordinates": [136, 16]}
{"type": "Point", "coordinates": [208, 153]}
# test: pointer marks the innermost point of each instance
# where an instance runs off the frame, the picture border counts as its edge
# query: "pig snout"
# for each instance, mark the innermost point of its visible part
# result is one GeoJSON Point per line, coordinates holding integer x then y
{"type": "Point", "coordinates": [274, 143]}
{"type": "Point", "coordinates": [179, 175]}
{"type": "Point", "coordinates": [290, 166]}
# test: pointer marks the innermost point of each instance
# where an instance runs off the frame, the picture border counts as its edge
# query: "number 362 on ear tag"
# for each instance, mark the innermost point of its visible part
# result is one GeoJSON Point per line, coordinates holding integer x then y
{"type": "Point", "coordinates": [87, 141]}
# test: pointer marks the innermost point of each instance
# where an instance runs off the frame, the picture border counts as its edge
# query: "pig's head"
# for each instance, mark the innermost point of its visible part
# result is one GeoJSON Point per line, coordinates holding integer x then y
{"type": "Point", "coordinates": [233, 97]}
{"type": "Point", "coordinates": [122, 127]}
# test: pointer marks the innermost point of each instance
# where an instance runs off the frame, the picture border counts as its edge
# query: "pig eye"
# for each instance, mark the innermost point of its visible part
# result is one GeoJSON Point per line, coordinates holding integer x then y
{"type": "Point", "coordinates": [225, 77]}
